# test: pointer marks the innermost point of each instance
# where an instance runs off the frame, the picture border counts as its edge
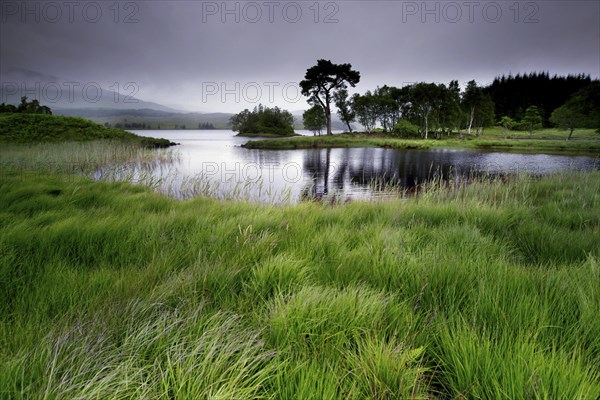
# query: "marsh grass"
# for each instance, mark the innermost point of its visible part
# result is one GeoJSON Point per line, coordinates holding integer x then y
{"type": "Point", "coordinates": [80, 158]}
{"type": "Point", "coordinates": [165, 354]}
{"type": "Point", "coordinates": [115, 161]}
{"type": "Point", "coordinates": [479, 289]}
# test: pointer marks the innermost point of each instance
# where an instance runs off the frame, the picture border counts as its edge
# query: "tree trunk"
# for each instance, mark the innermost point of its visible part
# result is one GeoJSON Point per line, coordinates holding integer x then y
{"type": "Point", "coordinates": [328, 114]}
{"type": "Point", "coordinates": [570, 133]}
{"type": "Point", "coordinates": [426, 125]}
{"type": "Point", "coordinates": [349, 128]}
{"type": "Point", "coordinates": [471, 120]}
{"type": "Point", "coordinates": [327, 107]}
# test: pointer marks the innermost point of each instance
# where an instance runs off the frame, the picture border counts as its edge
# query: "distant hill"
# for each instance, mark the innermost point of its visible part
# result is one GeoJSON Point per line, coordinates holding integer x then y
{"type": "Point", "coordinates": [58, 96]}
{"type": "Point", "coordinates": [112, 109]}
{"type": "Point", "coordinates": [159, 119]}
{"type": "Point", "coordinates": [60, 93]}
{"type": "Point", "coordinates": [90, 113]}
{"type": "Point", "coordinates": [149, 118]}
{"type": "Point", "coordinates": [156, 119]}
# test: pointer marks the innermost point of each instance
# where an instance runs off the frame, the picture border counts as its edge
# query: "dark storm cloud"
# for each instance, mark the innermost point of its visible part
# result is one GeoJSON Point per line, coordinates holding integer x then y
{"type": "Point", "coordinates": [184, 53]}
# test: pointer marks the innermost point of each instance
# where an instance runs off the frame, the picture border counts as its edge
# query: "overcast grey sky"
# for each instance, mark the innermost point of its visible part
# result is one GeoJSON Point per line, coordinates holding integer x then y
{"type": "Point", "coordinates": [225, 56]}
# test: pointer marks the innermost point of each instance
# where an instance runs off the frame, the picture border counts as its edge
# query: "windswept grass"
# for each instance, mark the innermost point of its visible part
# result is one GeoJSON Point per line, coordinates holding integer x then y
{"type": "Point", "coordinates": [81, 158]}
{"type": "Point", "coordinates": [488, 290]}
{"type": "Point", "coordinates": [146, 351]}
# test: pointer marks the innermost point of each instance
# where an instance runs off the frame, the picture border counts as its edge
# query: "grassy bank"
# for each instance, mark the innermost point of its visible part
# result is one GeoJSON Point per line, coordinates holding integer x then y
{"type": "Point", "coordinates": [266, 135]}
{"type": "Point", "coordinates": [36, 128]}
{"type": "Point", "coordinates": [381, 140]}
{"type": "Point", "coordinates": [547, 133]}
{"type": "Point", "coordinates": [108, 290]}
{"type": "Point", "coordinates": [339, 140]}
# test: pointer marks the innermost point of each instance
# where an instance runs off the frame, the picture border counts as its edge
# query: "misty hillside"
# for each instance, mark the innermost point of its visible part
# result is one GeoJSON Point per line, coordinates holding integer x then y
{"type": "Point", "coordinates": [59, 93]}
{"type": "Point", "coordinates": [106, 107]}
{"type": "Point", "coordinates": [156, 119]}
{"type": "Point", "coordinates": [149, 118]}
{"type": "Point", "coordinates": [57, 96]}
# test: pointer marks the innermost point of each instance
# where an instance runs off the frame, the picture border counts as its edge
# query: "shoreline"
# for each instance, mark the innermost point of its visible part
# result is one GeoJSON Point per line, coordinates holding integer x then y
{"type": "Point", "coordinates": [267, 135]}
{"type": "Point", "coordinates": [590, 146]}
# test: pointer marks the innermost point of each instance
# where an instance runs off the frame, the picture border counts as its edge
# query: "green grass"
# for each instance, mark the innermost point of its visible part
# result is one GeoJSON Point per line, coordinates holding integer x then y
{"type": "Point", "coordinates": [109, 290]}
{"type": "Point", "coordinates": [546, 133]}
{"type": "Point", "coordinates": [116, 159]}
{"type": "Point", "coordinates": [382, 140]}
{"type": "Point", "coordinates": [267, 135]}
{"type": "Point", "coordinates": [36, 128]}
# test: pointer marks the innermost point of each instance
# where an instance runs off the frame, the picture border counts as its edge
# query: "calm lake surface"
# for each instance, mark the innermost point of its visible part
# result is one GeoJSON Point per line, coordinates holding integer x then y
{"type": "Point", "coordinates": [213, 162]}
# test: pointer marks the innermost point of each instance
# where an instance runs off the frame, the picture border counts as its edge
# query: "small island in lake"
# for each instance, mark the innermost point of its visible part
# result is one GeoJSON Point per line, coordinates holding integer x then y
{"type": "Point", "coordinates": [263, 122]}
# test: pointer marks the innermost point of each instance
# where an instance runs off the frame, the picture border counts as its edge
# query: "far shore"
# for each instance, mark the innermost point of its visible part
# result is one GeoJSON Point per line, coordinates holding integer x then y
{"type": "Point", "coordinates": [534, 144]}
{"type": "Point", "coordinates": [267, 135]}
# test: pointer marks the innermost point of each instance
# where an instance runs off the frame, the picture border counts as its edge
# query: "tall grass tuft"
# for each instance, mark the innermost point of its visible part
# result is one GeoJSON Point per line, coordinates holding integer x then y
{"type": "Point", "coordinates": [156, 353]}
